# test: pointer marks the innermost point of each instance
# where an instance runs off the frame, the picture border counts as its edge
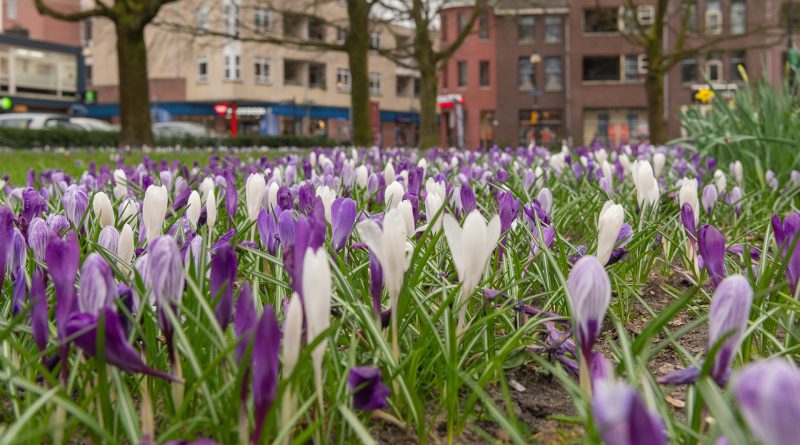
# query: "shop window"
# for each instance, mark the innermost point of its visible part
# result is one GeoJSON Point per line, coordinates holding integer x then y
{"type": "Point", "coordinates": [614, 127]}
{"type": "Point", "coordinates": [601, 68]}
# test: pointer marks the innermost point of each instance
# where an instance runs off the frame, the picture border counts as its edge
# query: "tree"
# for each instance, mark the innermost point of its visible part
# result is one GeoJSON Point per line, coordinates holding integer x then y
{"type": "Point", "coordinates": [130, 17]}
{"type": "Point", "coordinates": [356, 45]}
{"type": "Point", "coordinates": [425, 56]}
{"type": "Point", "coordinates": [677, 21]}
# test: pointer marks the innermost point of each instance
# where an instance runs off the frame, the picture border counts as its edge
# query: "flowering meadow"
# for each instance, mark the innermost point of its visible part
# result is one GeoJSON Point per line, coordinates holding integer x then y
{"type": "Point", "coordinates": [641, 295]}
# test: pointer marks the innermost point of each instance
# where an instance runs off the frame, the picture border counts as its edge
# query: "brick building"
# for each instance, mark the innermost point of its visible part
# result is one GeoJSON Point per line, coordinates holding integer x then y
{"type": "Point", "coordinates": [566, 69]}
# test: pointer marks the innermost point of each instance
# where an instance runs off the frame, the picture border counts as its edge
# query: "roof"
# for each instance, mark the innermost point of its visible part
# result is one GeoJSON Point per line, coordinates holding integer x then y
{"type": "Point", "coordinates": [512, 7]}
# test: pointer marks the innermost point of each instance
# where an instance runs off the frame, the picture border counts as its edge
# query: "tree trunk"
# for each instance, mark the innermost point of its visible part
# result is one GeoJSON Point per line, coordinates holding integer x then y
{"type": "Point", "coordinates": [654, 88]}
{"type": "Point", "coordinates": [134, 90]}
{"type": "Point", "coordinates": [358, 55]}
{"type": "Point", "coordinates": [428, 82]}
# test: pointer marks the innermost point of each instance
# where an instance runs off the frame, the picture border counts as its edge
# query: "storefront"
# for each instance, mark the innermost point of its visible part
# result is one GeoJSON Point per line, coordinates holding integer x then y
{"type": "Point", "coordinates": [452, 119]}
{"type": "Point", "coordinates": [615, 126]}
{"type": "Point", "coordinates": [543, 127]}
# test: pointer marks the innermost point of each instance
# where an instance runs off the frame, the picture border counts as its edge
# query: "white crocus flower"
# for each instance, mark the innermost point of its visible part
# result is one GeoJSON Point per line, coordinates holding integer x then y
{"type": "Point", "coordinates": [317, 305]}
{"type": "Point", "coordinates": [194, 208]}
{"type": "Point", "coordinates": [393, 194]}
{"type": "Point", "coordinates": [205, 187]}
{"type": "Point", "coordinates": [254, 190]}
{"type": "Point", "coordinates": [125, 246]}
{"type": "Point", "coordinates": [103, 211]}
{"type": "Point", "coordinates": [432, 186]}
{"type": "Point", "coordinates": [211, 209]}
{"type": "Point", "coordinates": [688, 193]}
{"type": "Point", "coordinates": [328, 195]}
{"type": "Point", "coordinates": [291, 345]}
{"type": "Point", "coordinates": [658, 164]}
{"type": "Point", "coordinates": [471, 246]}
{"type": "Point", "coordinates": [720, 181]}
{"type": "Point", "coordinates": [647, 192]}
{"type": "Point", "coordinates": [121, 187]}
{"type": "Point", "coordinates": [433, 203]}
{"type": "Point", "coordinates": [388, 173]}
{"type": "Point", "coordinates": [407, 211]}
{"type": "Point", "coordinates": [612, 216]}
{"type": "Point", "coordinates": [362, 176]}
{"type": "Point", "coordinates": [154, 211]}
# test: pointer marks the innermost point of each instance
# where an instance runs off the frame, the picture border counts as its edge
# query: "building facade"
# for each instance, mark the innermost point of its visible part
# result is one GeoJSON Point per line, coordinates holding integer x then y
{"type": "Point", "coordinates": [204, 55]}
{"type": "Point", "coordinates": [569, 69]}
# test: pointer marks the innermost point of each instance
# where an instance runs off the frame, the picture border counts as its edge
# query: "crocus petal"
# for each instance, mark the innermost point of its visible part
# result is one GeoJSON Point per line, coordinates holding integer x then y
{"type": "Point", "coordinates": [765, 393]}
{"type": "Point", "coordinates": [223, 274]}
{"type": "Point", "coordinates": [369, 391]}
{"type": "Point", "coordinates": [266, 363]}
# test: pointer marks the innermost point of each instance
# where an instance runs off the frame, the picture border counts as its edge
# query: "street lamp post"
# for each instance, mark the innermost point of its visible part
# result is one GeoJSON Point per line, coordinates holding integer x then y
{"type": "Point", "coordinates": [534, 59]}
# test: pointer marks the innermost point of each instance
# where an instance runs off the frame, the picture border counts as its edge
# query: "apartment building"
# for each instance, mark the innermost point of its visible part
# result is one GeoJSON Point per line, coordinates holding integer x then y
{"type": "Point", "coordinates": [568, 69]}
{"type": "Point", "coordinates": [201, 53]}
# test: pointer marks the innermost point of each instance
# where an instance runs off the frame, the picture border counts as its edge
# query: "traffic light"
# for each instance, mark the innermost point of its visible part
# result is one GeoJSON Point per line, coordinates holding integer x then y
{"type": "Point", "coordinates": [89, 97]}
{"type": "Point", "coordinates": [6, 103]}
{"type": "Point", "coordinates": [534, 117]}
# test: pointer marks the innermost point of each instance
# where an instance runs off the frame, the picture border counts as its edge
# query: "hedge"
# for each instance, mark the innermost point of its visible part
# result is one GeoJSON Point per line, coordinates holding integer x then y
{"type": "Point", "coordinates": [22, 139]}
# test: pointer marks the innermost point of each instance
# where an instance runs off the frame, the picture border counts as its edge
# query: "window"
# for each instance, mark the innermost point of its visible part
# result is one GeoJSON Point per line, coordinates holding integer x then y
{"type": "Point", "coordinates": [261, 21]}
{"type": "Point", "coordinates": [462, 73]}
{"type": "Point", "coordinates": [633, 73]}
{"type": "Point", "coordinates": [646, 14]}
{"type": "Point", "coordinates": [689, 70]}
{"type": "Point", "coordinates": [713, 17]}
{"type": "Point", "coordinates": [444, 28]}
{"type": "Point", "coordinates": [483, 26]}
{"type": "Point", "coordinates": [11, 9]}
{"type": "Point", "coordinates": [88, 71]}
{"type": "Point", "coordinates": [316, 75]}
{"type": "Point", "coordinates": [86, 32]}
{"type": "Point", "coordinates": [292, 26]}
{"type": "Point", "coordinates": [689, 12]}
{"type": "Point", "coordinates": [231, 13]}
{"type": "Point", "coordinates": [232, 66]}
{"type": "Point", "coordinates": [714, 67]}
{"type": "Point", "coordinates": [374, 84]}
{"type": "Point", "coordinates": [417, 87]}
{"type": "Point", "coordinates": [262, 71]}
{"type": "Point", "coordinates": [553, 28]}
{"type": "Point", "coordinates": [201, 18]}
{"type": "Point", "coordinates": [601, 68]}
{"type": "Point", "coordinates": [483, 73]}
{"type": "Point", "coordinates": [316, 30]}
{"type": "Point", "coordinates": [202, 70]}
{"type": "Point", "coordinates": [526, 74]}
{"type": "Point", "coordinates": [292, 72]}
{"type": "Point", "coordinates": [525, 28]}
{"type": "Point", "coordinates": [343, 81]}
{"type": "Point", "coordinates": [462, 21]}
{"type": "Point", "coordinates": [600, 20]}
{"type": "Point", "coordinates": [375, 39]}
{"type": "Point", "coordinates": [738, 17]}
{"type": "Point", "coordinates": [553, 77]}
{"type": "Point", "coordinates": [403, 86]}
{"type": "Point", "coordinates": [738, 59]}
{"type": "Point", "coordinates": [445, 74]}
{"type": "Point", "coordinates": [341, 34]}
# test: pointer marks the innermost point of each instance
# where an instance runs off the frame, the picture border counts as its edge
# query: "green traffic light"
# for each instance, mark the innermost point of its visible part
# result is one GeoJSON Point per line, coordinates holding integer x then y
{"type": "Point", "coordinates": [6, 103]}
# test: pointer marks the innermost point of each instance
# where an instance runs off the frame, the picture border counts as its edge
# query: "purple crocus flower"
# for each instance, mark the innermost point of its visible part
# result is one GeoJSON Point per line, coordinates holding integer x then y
{"type": "Point", "coordinates": [468, 203]}
{"type": "Point", "coordinates": [6, 240]}
{"type": "Point", "coordinates": [766, 393]}
{"type": "Point", "coordinates": [590, 294]}
{"type": "Point", "coordinates": [622, 417]}
{"type": "Point", "coordinates": [735, 199]}
{"type": "Point", "coordinates": [97, 287]}
{"type": "Point", "coordinates": [109, 239]}
{"type": "Point", "coordinates": [286, 225]}
{"type": "Point", "coordinates": [193, 442]}
{"type": "Point", "coordinates": [164, 278]}
{"type": "Point", "coordinates": [687, 218]}
{"type": "Point", "coordinates": [33, 204]}
{"type": "Point", "coordinates": [223, 274]}
{"type": "Point", "coordinates": [231, 196]}
{"type": "Point", "coordinates": [39, 308]}
{"type": "Point", "coordinates": [58, 224]}
{"type": "Point", "coordinates": [508, 208]}
{"type": "Point", "coordinates": [268, 230]}
{"type": "Point", "coordinates": [711, 244]}
{"type": "Point", "coordinates": [244, 320]}
{"type": "Point", "coordinates": [75, 203]}
{"type": "Point", "coordinates": [306, 196]}
{"type": "Point", "coordinates": [369, 391]}
{"type": "Point", "coordinates": [375, 283]}
{"type": "Point", "coordinates": [786, 238]}
{"type": "Point", "coordinates": [266, 346]}
{"type": "Point", "coordinates": [309, 233]}
{"type": "Point", "coordinates": [343, 217]}
{"type": "Point", "coordinates": [62, 257]}
{"type": "Point", "coordinates": [19, 253]}
{"type": "Point", "coordinates": [543, 239]}
{"type": "Point", "coordinates": [730, 311]}
{"type": "Point", "coordinates": [82, 329]}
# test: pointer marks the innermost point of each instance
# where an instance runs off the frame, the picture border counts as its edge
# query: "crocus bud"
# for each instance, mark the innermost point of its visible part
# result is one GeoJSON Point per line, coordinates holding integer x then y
{"type": "Point", "coordinates": [266, 346]}
{"type": "Point", "coordinates": [433, 204]}
{"type": "Point", "coordinates": [272, 195]}
{"type": "Point", "coordinates": [121, 184]}
{"type": "Point", "coordinates": [97, 287]}
{"type": "Point", "coordinates": [128, 211]}
{"type": "Point", "coordinates": [109, 239]}
{"type": "Point", "coordinates": [437, 187]}
{"type": "Point", "coordinates": [393, 194]}
{"type": "Point", "coordinates": [471, 247]}
{"type": "Point", "coordinates": [75, 203]}
{"type": "Point", "coordinates": [688, 194]}
{"type": "Point", "coordinates": [327, 195]}
{"type": "Point", "coordinates": [720, 181]}
{"type": "Point", "coordinates": [292, 338]}
{"type": "Point", "coordinates": [612, 216]}
{"type": "Point", "coordinates": [709, 197]}
{"type": "Point", "coordinates": [211, 209]}
{"type": "Point", "coordinates": [647, 192]}
{"type": "Point", "coordinates": [467, 198]}
{"type": "Point", "coordinates": [738, 172]}
{"type": "Point", "coordinates": [223, 274]}
{"type": "Point", "coordinates": [39, 234]}
{"type": "Point", "coordinates": [343, 215]}
{"type": "Point", "coordinates": [730, 311]}
{"type": "Point", "coordinates": [369, 391]}
{"type": "Point", "coordinates": [711, 245]}
{"type": "Point", "coordinates": [103, 211]}
{"type": "Point", "coordinates": [407, 211]}
{"type": "Point", "coordinates": [62, 258]}
{"type": "Point", "coordinates": [317, 305]}
{"type": "Point", "coordinates": [545, 198]}
{"type": "Point", "coordinates": [388, 173]}
{"type": "Point", "coordinates": [389, 245]}
{"type": "Point", "coordinates": [164, 272]}
{"type": "Point", "coordinates": [658, 164]}
{"type": "Point", "coordinates": [622, 417]}
{"type": "Point", "coordinates": [735, 199]}
{"type": "Point", "coordinates": [771, 179]}
{"type": "Point", "coordinates": [193, 208]}
{"type": "Point", "coordinates": [362, 174]}
{"type": "Point", "coordinates": [125, 245]}
{"type": "Point", "coordinates": [590, 294]}
{"type": "Point", "coordinates": [765, 394]}
{"type": "Point", "coordinates": [154, 211]}
{"type": "Point", "coordinates": [207, 185]}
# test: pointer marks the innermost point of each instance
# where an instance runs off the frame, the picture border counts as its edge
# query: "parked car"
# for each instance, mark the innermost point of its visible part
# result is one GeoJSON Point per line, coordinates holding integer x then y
{"type": "Point", "coordinates": [91, 124]}
{"type": "Point", "coordinates": [36, 121]}
{"type": "Point", "coordinates": [181, 129]}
